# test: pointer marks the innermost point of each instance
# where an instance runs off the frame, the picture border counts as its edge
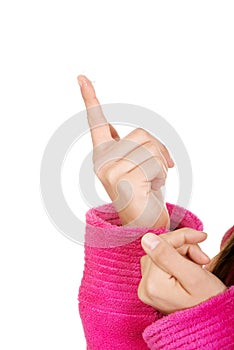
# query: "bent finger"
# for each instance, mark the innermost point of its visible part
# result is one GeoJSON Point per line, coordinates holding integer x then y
{"type": "Point", "coordinates": [168, 259]}
{"type": "Point", "coordinates": [195, 253]}
{"type": "Point", "coordinates": [183, 236]}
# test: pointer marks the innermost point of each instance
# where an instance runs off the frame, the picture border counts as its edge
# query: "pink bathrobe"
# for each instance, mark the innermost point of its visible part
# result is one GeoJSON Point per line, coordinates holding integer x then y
{"type": "Point", "coordinates": [112, 315]}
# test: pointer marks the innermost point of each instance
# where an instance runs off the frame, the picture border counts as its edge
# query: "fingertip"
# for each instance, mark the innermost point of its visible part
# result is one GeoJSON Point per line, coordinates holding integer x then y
{"type": "Point", "coordinates": [204, 260]}
{"type": "Point", "coordinates": [204, 257]}
{"type": "Point", "coordinates": [149, 241]}
{"type": "Point", "coordinates": [82, 80]}
{"type": "Point", "coordinates": [87, 91]}
{"type": "Point", "coordinates": [205, 235]}
{"type": "Point", "coordinates": [167, 155]}
{"type": "Point", "coordinates": [200, 236]}
{"type": "Point", "coordinates": [171, 163]}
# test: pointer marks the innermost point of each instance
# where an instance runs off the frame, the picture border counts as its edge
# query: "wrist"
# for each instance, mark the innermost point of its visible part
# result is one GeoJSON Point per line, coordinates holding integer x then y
{"type": "Point", "coordinates": [163, 220]}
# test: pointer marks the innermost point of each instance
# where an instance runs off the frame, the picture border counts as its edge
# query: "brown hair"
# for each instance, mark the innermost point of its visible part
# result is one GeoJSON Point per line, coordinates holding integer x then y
{"type": "Point", "coordinates": [224, 263]}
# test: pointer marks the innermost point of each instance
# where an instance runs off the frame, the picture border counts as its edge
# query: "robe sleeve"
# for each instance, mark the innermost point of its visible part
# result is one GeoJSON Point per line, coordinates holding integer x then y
{"type": "Point", "coordinates": [112, 315]}
{"type": "Point", "coordinates": [209, 325]}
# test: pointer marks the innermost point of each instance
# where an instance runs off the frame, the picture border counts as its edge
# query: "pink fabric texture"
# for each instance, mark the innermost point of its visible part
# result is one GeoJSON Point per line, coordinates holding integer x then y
{"type": "Point", "coordinates": [209, 325]}
{"type": "Point", "coordinates": [112, 315]}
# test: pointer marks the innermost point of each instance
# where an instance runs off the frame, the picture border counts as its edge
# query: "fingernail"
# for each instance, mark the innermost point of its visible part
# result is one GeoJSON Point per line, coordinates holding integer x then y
{"type": "Point", "coordinates": [172, 163]}
{"type": "Point", "coordinates": [82, 81]}
{"type": "Point", "coordinates": [150, 240]}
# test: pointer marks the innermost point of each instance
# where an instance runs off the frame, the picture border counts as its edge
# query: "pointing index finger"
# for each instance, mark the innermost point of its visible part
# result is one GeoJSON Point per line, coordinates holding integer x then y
{"type": "Point", "coordinates": [99, 126]}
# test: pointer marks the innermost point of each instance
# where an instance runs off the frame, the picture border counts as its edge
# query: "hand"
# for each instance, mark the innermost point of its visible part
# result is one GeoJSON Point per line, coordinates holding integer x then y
{"type": "Point", "coordinates": [132, 170]}
{"type": "Point", "coordinates": [170, 281]}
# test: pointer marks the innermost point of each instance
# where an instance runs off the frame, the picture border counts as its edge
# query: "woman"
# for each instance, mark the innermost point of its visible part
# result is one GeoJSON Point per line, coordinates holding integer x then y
{"type": "Point", "coordinates": [165, 300]}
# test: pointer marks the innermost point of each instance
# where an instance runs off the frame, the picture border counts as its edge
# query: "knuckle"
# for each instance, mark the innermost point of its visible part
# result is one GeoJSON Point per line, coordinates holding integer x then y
{"type": "Point", "coordinates": [164, 148]}
{"type": "Point", "coordinates": [99, 171]}
{"type": "Point", "coordinates": [168, 237]}
{"type": "Point", "coordinates": [154, 150]}
{"type": "Point", "coordinates": [143, 260]}
{"type": "Point", "coordinates": [106, 172]}
{"type": "Point", "coordinates": [141, 293]}
{"type": "Point", "coordinates": [141, 132]}
{"type": "Point", "coordinates": [150, 289]}
{"type": "Point", "coordinates": [110, 175]}
{"type": "Point", "coordinates": [152, 147]}
{"type": "Point", "coordinates": [146, 291]}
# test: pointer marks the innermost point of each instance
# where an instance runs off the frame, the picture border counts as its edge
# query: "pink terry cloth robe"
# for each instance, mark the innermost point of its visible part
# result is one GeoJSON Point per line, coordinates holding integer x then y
{"type": "Point", "coordinates": [112, 315]}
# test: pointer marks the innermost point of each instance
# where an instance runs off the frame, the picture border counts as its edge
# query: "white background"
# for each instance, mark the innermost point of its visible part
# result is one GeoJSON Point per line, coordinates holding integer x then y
{"type": "Point", "coordinates": [174, 57]}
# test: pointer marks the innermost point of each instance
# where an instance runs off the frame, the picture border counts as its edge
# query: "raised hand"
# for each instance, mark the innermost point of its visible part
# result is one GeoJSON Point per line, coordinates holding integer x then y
{"type": "Point", "coordinates": [170, 281]}
{"type": "Point", "coordinates": [132, 169]}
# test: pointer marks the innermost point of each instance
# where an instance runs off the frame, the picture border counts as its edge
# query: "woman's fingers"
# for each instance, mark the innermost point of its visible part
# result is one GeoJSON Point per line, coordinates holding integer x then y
{"type": "Point", "coordinates": [147, 159]}
{"type": "Point", "coordinates": [184, 236]}
{"type": "Point", "coordinates": [102, 131]}
{"type": "Point", "coordinates": [99, 126]}
{"type": "Point", "coordinates": [194, 253]}
{"type": "Point", "coordinates": [168, 259]}
{"type": "Point", "coordinates": [170, 282]}
{"type": "Point", "coordinates": [166, 154]}
{"type": "Point", "coordinates": [87, 91]}
{"type": "Point", "coordinates": [185, 240]}
{"type": "Point", "coordinates": [143, 137]}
